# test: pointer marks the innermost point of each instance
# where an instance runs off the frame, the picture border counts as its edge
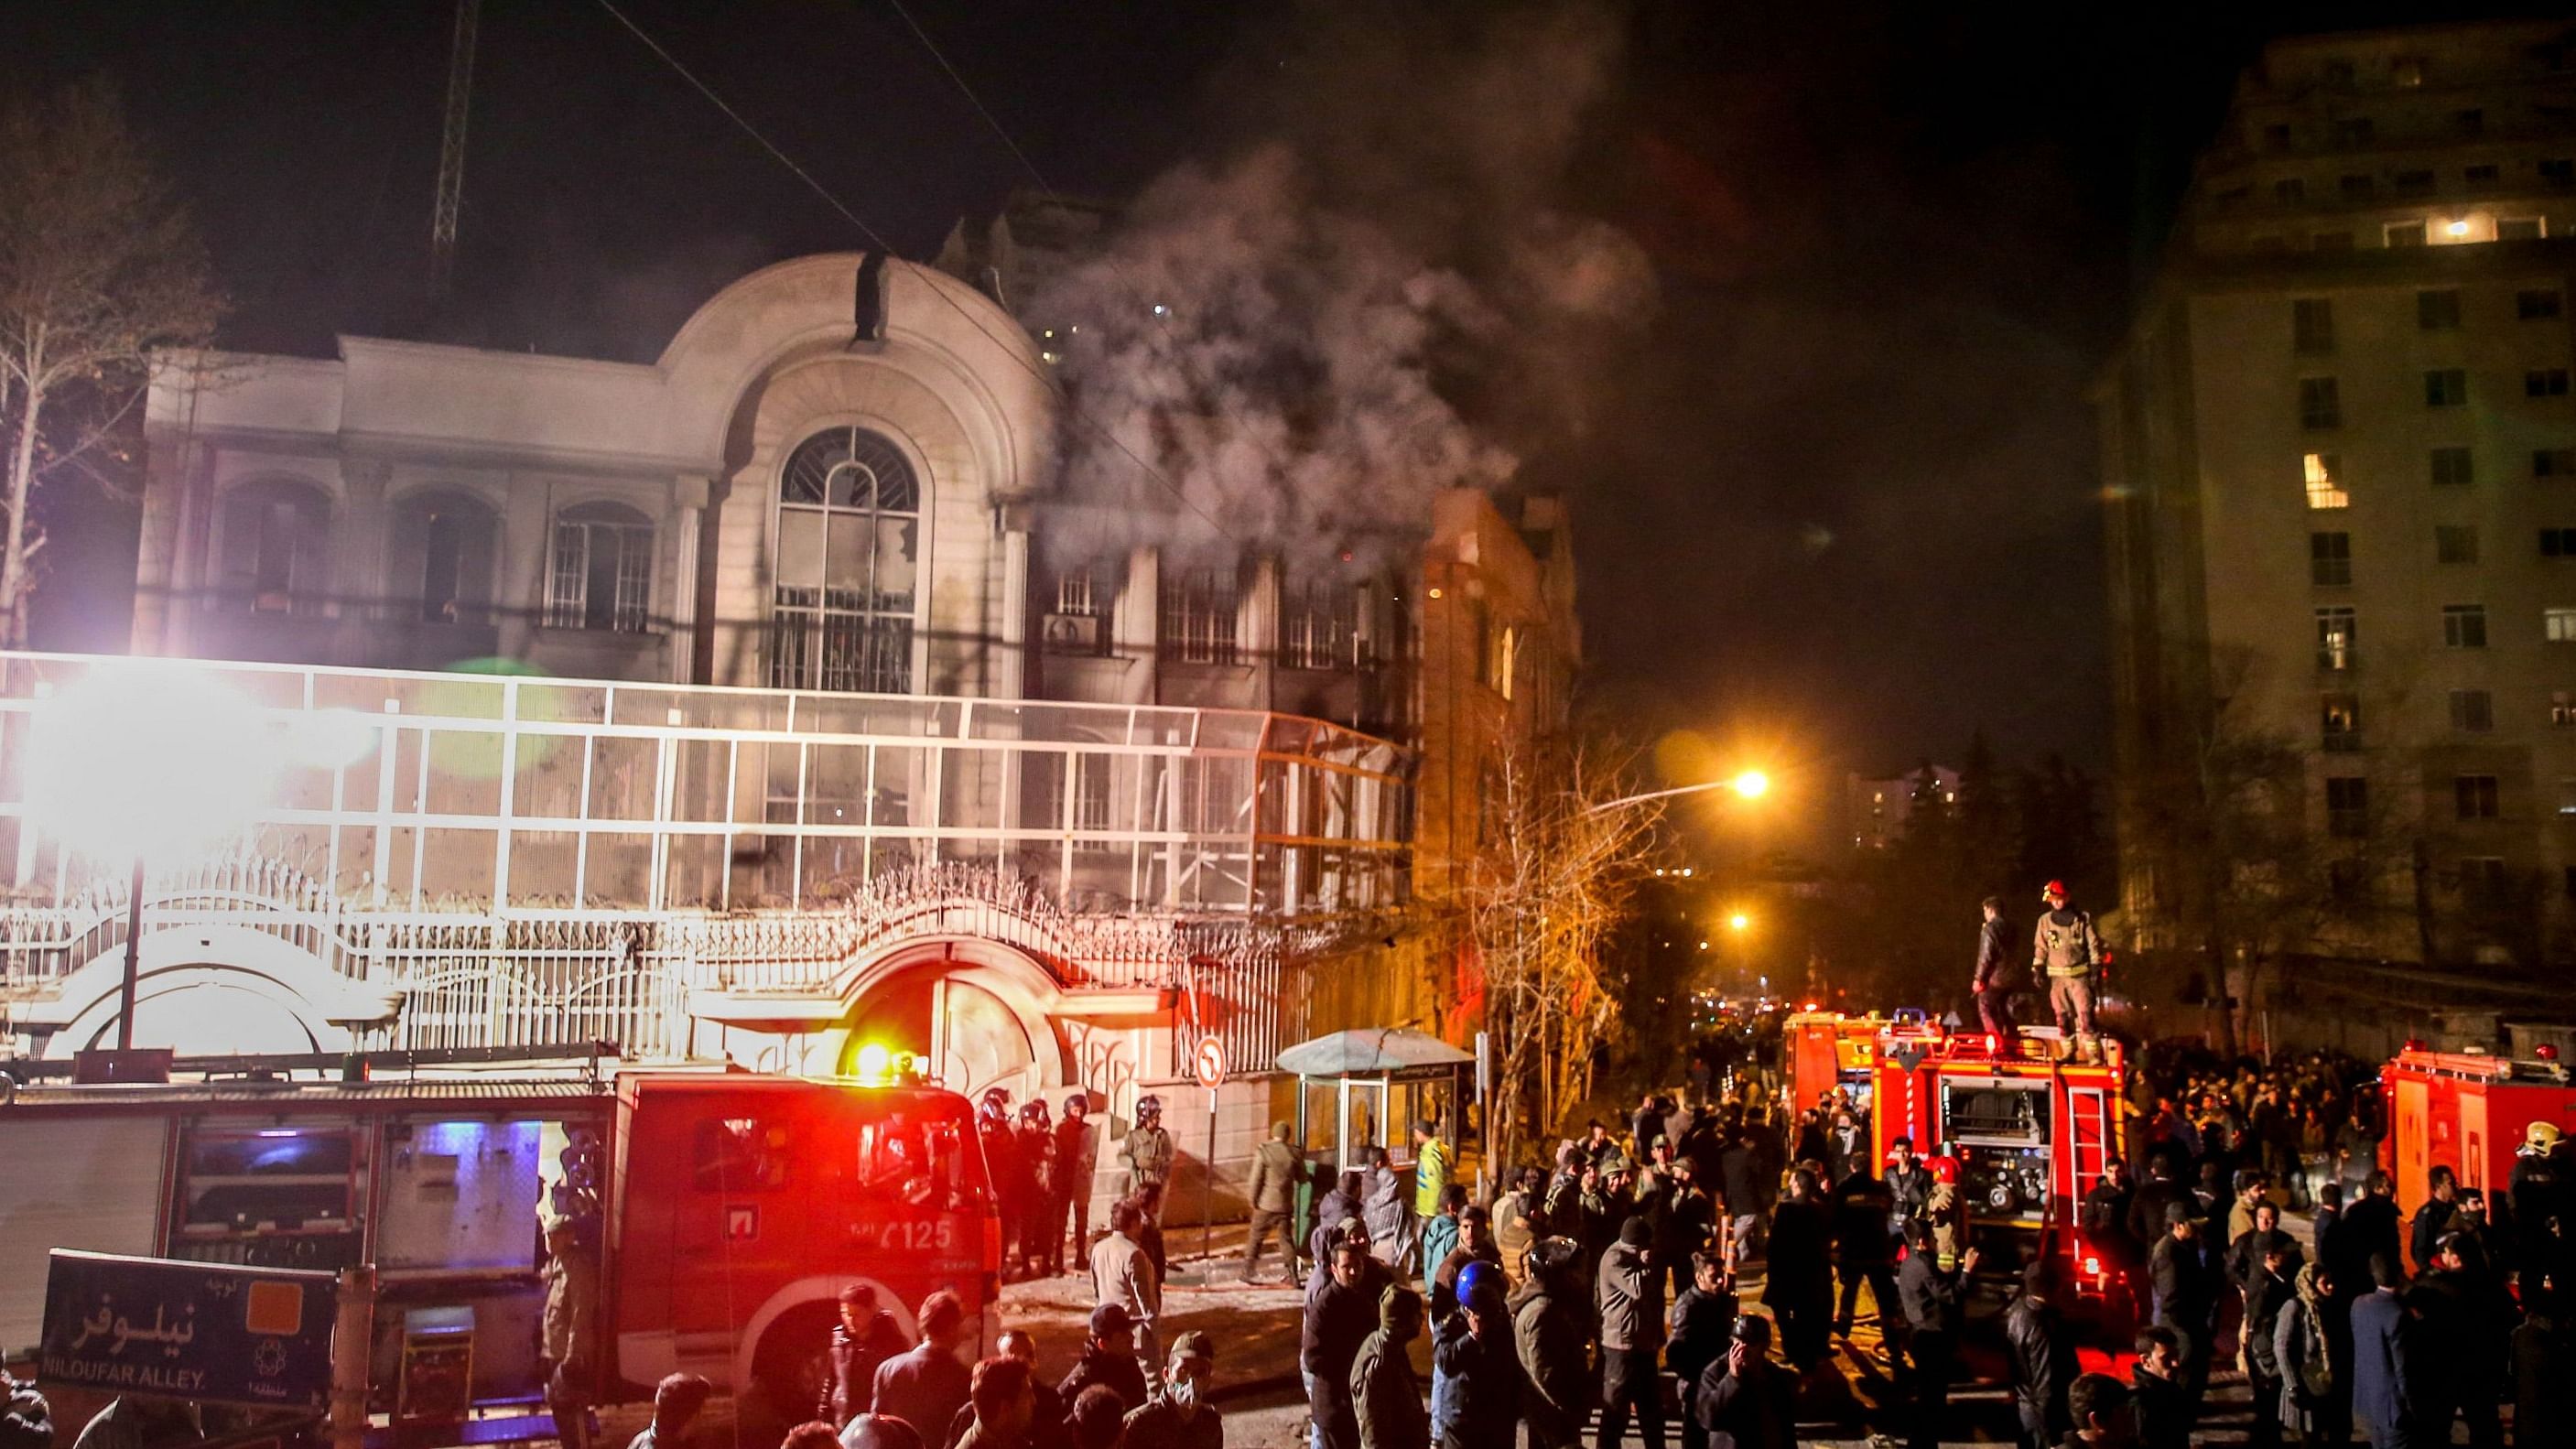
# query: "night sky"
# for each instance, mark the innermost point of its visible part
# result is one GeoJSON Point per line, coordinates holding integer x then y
{"type": "Point", "coordinates": [1836, 494]}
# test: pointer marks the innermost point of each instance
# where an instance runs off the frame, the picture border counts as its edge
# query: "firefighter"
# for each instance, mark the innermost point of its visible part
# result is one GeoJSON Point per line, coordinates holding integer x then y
{"type": "Point", "coordinates": [1041, 1183]}
{"type": "Point", "coordinates": [1148, 1152]}
{"type": "Point", "coordinates": [1002, 1161]}
{"type": "Point", "coordinates": [1077, 1158]}
{"type": "Point", "coordinates": [570, 1324]}
{"type": "Point", "coordinates": [2538, 1192]}
{"type": "Point", "coordinates": [2067, 949]}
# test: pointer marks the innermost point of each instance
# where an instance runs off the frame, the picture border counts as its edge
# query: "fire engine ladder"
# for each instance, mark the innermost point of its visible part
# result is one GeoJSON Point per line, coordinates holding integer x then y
{"type": "Point", "coordinates": [2088, 1135]}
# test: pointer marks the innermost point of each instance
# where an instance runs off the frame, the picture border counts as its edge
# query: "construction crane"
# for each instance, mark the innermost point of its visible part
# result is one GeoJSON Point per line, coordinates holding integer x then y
{"type": "Point", "coordinates": [451, 150]}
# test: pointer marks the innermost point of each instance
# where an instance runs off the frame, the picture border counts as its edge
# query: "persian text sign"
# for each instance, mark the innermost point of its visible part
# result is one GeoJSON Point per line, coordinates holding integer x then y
{"type": "Point", "coordinates": [205, 1331]}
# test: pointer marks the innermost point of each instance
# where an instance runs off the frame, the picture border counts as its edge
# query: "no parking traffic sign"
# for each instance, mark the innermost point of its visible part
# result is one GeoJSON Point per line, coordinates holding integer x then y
{"type": "Point", "coordinates": [1209, 1062]}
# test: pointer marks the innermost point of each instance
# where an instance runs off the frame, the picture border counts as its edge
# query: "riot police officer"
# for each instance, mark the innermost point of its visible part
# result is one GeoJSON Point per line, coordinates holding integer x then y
{"type": "Point", "coordinates": [1149, 1147]}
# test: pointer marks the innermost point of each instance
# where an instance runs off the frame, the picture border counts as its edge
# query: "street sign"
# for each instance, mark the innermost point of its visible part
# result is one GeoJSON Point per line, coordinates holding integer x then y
{"type": "Point", "coordinates": [211, 1332]}
{"type": "Point", "coordinates": [1209, 1061]}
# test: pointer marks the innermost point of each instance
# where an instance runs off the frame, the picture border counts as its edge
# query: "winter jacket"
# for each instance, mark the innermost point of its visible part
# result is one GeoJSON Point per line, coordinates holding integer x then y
{"type": "Point", "coordinates": [921, 1387]}
{"type": "Point", "coordinates": [2544, 1361]}
{"type": "Point", "coordinates": [2383, 1390]}
{"type": "Point", "coordinates": [2303, 1356]}
{"type": "Point", "coordinates": [1758, 1410]}
{"type": "Point", "coordinates": [1551, 1332]}
{"type": "Point", "coordinates": [1930, 1297]}
{"type": "Point", "coordinates": [1114, 1366]}
{"type": "Point", "coordinates": [1149, 1157]}
{"type": "Point", "coordinates": [2265, 1298]}
{"type": "Point", "coordinates": [2185, 1285]}
{"type": "Point", "coordinates": [1702, 1324]}
{"type": "Point", "coordinates": [1994, 957]}
{"type": "Point", "coordinates": [1273, 1188]}
{"type": "Point", "coordinates": [2245, 1256]}
{"type": "Point", "coordinates": [1439, 1236]}
{"type": "Point", "coordinates": [1483, 1406]}
{"type": "Point", "coordinates": [1382, 1207]}
{"type": "Point", "coordinates": [1630, 1296]}
{"type": "Point", "coordinates": [1430, 1176]}
{"type": "Point", "coordinates": [1862, 1208]}
{"type": "Point", "coordinates": [1121, 1273]}
{"type": "Point", "coordinates": [853, 1361]}
{"type": "Point", "coordinates": [1386, 1397]}
{"type": "Point", "coordinates": [1338, 1320]}
{"type": "Point", "coordinates": [2044, 1364]}
{"type": "Point", "coordinates": [1513, 1230]}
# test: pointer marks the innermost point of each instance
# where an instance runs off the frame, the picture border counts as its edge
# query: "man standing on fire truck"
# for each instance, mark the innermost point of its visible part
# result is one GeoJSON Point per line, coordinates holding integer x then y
{"type": "Point", "coordinates": [2068, 951]}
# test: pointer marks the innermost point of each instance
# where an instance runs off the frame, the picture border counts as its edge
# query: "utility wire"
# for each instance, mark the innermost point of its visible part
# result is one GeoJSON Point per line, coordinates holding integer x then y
{"type": "Point", "coordinates": [1010, 348]}
{"type": "Point", "coordinates": [974, 100]}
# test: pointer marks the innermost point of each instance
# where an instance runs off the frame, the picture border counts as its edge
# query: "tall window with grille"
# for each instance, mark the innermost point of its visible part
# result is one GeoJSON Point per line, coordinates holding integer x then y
{"type": "Point", "coordinates": [2325, 481]}
{"type": "Point", "coordinates": [1078, 624]}
{"type": "Point", "coordinates": [1319, 627]}
{"type": "Point", "coordinates": [272, 548]}
{"type": "Point", "coordinates": [1199, 615]}
{"type": "Point", "coordinates": [600, 573]}
{"type": "Point", "coordinates": [2336, 635]}
{"type": "Point", "coordinates": [848, 583]}
{"type": "Point", "coordinates": [2339, 721]}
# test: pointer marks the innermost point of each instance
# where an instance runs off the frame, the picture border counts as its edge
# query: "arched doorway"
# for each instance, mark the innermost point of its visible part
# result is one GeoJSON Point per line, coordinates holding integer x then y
{"type": "Point", "coordinates": [213, 991]}
{"type": "Point", "coordinates": [977, 1012]}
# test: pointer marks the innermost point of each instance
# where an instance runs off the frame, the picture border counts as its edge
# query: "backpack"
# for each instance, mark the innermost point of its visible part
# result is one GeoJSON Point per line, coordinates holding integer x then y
{"type": "Point", "coordinates": [2316, 1371]}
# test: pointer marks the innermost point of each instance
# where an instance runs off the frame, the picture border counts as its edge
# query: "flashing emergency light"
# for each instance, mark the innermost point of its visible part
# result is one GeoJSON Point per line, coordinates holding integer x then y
{"type": "Point", "coordinates": [874, 1061]}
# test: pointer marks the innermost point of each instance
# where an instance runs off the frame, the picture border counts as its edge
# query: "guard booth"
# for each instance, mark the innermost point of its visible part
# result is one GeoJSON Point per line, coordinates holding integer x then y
{"type": "Point", "coordinates": [1373, 1084]}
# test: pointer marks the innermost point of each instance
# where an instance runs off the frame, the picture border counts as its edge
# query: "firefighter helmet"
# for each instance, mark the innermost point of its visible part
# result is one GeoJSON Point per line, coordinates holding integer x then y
{"type": "Point", "coordinates": [2053, 891]}
{"type": "Point", "coordinates": [1149, 1105]}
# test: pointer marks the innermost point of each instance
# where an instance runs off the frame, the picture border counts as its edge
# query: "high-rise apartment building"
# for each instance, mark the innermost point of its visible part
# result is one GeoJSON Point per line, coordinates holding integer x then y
{"type": "Point", "coordinates": [2339, 467]}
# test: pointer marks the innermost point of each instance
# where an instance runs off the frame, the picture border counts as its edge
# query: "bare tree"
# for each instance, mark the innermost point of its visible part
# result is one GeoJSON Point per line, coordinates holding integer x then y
{"type": "Point", "coordinates": [1553, 877]}
{"type": "Point", "coordinates": [100, 269]}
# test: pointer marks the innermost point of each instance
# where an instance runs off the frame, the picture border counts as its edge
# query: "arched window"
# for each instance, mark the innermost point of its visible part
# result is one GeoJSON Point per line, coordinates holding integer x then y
{"type": "Point", "coordinates": [273, 548]}
{"type": "Point", "coordinates": [444, 548]}
{"type": "Point", "coordinates": [848, 566]}
{"type": "Point", "coordinates": [600, 575]}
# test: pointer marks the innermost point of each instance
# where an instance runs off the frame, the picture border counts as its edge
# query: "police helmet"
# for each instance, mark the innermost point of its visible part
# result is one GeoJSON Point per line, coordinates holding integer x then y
{"type": "Point", "coordinates": [1149, 1105]}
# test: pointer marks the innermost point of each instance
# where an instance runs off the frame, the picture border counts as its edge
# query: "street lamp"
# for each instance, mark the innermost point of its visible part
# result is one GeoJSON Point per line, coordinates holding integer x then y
{"type": "Point", "coordinates": [1750, 784]}
{"type": "Point", "coordinates": [147, 760]}
{"type": "Point", "coordinates": [1738, 922]}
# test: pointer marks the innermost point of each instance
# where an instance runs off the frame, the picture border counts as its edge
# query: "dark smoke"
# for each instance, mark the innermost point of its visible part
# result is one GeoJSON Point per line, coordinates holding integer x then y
{"type": "Point", "coordinates": [1313, 330]}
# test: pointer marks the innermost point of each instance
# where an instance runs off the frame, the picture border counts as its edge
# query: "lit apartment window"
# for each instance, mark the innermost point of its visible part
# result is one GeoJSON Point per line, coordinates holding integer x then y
{"type": "Point", "coordinates": [2403, 234]}
{"type": "Point", "coordinates": [2319, 404]}
{"type": "Point", "coordinates": [600, 575]}
{"type": "Point", "coordinates": [2520, 228]}
{"type": "Point", "coordinates": [2330, 559]}
{"type": "Point", "coordinates": [2438, 310]}
{"type": "Point", "coordinates": [2446, 387]}
{"type": "Point", "coordinates": [2558, 624]}
{"type": "Point", "coordinates": [2464, 626]}
{"type": "Point", "coordinates": [2562, 709]}
{"type": "Point", "coordinates": [2312, 324]}
{"type": "Point", "coordinates": [2558, 543]}
{"type": "Point", "coordinates": [2290, 190]}
{"type": "Point", "coordinates": [2474, 796]}
{"type": "Point", "coordinates": [2545, 382]}
{"type": "Point", "coordinates": [2339, 721]}
{"type": "Point", "coordinates": [2481, 178]}
{"type": "Point", "coordinates": [2472, 711]}
{"type": "Point", "coordinates": [2451, 468]}
{"type": "Point", "coordinates": [2325, 481]}
{"type": "Point", "coordinates": [2336, 636]}
{"type": "Point", "coordinates": [1199, 613]}
{"type": "Point", "coordinates": [2354, 188]}
{"type": "Point", "coordinates": [2353, 131]}
{"type": "Point", "coordinates": [2455, 543]}
{"type": "Point", "coordinates": [2553, 463]}
{"type": "Point", "coordinates": [2535, 303]}
{"type": "Point", "coordinates": [2414, 183]}
{"type": "Point", "coordinates": [2348, 806]}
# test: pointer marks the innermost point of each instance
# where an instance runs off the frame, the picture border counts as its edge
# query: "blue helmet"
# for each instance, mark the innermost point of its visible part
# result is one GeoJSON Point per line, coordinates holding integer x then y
{"type": "Point", "coordinates": [1477, 1278]}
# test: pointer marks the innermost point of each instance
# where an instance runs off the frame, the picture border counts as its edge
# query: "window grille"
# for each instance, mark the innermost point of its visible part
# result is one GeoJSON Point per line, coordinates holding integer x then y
{"type": "Point", "coordinates": [1199, 614]}
{"type": "Point", "coordinates": [847, 566]}
{"type": "Point", "coordinates": [601, 572]}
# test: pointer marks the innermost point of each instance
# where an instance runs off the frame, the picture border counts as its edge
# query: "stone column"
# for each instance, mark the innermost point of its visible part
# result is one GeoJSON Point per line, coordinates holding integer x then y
{"type": "Point", "coordinates": [358, 536]}
{"type": "Point", "coordinates": [687, 515]}
{"type": "Point", "coordinates": [1010, 675]}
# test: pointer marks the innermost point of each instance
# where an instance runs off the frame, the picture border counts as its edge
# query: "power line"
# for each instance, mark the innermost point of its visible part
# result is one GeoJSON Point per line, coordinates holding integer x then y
{"type": "Point", "coordinates": [974, 100]}
{"type": "Point", "coordinates": [1009, 348]}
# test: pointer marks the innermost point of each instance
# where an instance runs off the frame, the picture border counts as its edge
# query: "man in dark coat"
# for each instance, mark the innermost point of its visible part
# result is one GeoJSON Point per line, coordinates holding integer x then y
{"type": "Point", "coordinates": [1994, 979]}
{"type": "Point", "coordinates": [1474, 1350]}
{"type": "Point", "coordinates": [2383, 1387]}
{"type": "Point", "coordinates": [2165, 1404]}
{"type": "Point", "coordinates": [2467, 1315]}
{"type": "Point", "coordinates": [1108, 1360]}
{"type": "Point", "coordinates": [1702, 1324]}
{"type": "Point", "coordinates": [1630, 1289]}
{"type": "Point", "coordinates": [1341, 1312]}
{"type": "Point", "coordinates": [1864, 1252]}
{"type": "Point", "coordinates": [1800, 1289]}
{"type": "Point", "coordinates": [2367, 1229]}
{"type": "Point", "coordinates": [1745, 1187]}
{"type": "Point", "coordinates": [927, 1386]}
{"type": "Point", "coordinates": [2044, 1364]}
{"type": "Point", "coordinates": [1935, 1304]}
{"type": "Point", "coordinates": [2186, 1287]}
{"type": "Point", "coordinates": [1742, 1401]}
{"type": "Point", "coordinates": [1551, 1331]}
{"type": "Point", "coordinates": [1273, 1195]}
{"type": "Point", "coordinates": [2267, 1291]}
{"type": "Point", "coordinates": [864, 1337]}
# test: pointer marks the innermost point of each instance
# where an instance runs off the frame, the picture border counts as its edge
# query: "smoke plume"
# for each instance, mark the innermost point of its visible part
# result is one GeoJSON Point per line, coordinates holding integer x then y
{"type": "Point", "coordinates": [1380, 292]}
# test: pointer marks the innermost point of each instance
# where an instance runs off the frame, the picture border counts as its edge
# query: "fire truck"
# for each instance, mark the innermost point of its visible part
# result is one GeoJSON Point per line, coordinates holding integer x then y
{"type": "Point", "coordinates": [2029, 1135]}
{"type": "Point", "coordinates": [726, 1211]}
{"type": "Point", "coordinates": [1829, 1049]}
{"type": "Point", "coordinates": [2467, 1112]}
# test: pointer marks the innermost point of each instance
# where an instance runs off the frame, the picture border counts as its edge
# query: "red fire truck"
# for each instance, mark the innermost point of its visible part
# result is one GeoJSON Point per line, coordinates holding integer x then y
{"type": "Point", "coordinates": [727, 1211]}
{"type": "Point", "coordinates": [2031, 1135]}
{"type": "Point", "coordinates": [1829, 1049]}
{"type": "Point", "coordinates": [2466, 1112]}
